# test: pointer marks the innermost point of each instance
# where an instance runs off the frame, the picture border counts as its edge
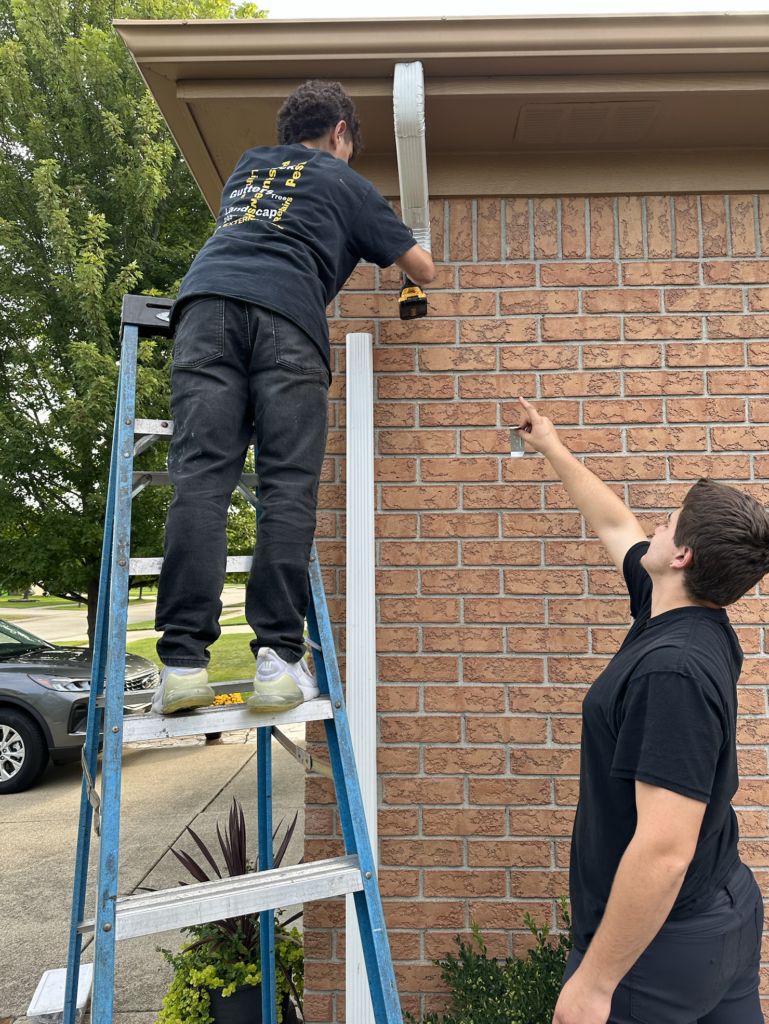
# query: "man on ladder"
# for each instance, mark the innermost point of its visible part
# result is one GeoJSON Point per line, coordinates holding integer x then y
{"type": "Point", "coordinates": [252, 353]}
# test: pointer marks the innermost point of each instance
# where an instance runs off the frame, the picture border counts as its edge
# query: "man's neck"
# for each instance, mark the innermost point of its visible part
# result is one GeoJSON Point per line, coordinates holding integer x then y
{"type": "Point", "coordinates": [665, 598]}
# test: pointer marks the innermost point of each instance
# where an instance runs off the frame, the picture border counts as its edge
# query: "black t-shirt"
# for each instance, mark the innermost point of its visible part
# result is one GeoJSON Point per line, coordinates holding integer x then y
{"type": "Point", "coordinates": [662, 712]}
{"type": "Point", "coordinates": [293, 224]}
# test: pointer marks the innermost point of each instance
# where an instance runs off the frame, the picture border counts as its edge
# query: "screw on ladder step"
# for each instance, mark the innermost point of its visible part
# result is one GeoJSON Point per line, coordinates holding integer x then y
{"type": "Point", "coordinates": [116, 728]}
{"type": "Point", "coordinates": [338, 704]}
{"type": "Point", "coordinates": [127, 423]}
{"type": "Point", "coordinates": [368, 874]}
{"type": "Point", "coordinates": [107, 927]}
{"type": "Point", "coordinates": [126, 455]}
{"type": "Point", "coordinates": [164, 423]}
{"type": "Point", "coordinates": [122, 561]}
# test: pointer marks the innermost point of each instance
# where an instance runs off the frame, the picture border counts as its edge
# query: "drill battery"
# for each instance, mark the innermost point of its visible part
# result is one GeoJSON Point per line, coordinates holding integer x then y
{"type": "Point", "coordinates": [412, 301]}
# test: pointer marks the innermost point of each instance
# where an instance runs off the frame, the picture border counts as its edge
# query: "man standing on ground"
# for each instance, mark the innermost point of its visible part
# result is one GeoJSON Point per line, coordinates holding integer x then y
{"type": "Point", "coordinates": [667, 919]}
{"type": "Point", "coordinates": [251, 354]}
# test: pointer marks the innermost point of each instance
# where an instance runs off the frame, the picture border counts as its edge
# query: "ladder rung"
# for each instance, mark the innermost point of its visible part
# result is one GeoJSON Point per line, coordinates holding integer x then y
{"type": "Point", "coordinates": [152, 566]}
{"type": "Point", "coordinates": [226, 718]}
{"type": "Point", "coordinates": [163, 428]}
{"type": "Point", "coordinates": [152, 912]}
{"type": "Point", "coordinates": [164, 479]}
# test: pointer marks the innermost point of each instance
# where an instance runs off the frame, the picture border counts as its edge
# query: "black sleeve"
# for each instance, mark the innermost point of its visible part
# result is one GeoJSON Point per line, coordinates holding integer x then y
{"type": "Point", "coordinates": [639, 584]}
{"type": "Point", "coordinates": [377, 234]}
{"type": "Point", "coordinates": [671, 733]}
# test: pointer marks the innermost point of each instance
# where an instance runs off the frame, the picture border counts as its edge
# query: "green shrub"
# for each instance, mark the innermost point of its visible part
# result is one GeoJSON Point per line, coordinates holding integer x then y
{"type": "Point", "coordinates": [518, 991]}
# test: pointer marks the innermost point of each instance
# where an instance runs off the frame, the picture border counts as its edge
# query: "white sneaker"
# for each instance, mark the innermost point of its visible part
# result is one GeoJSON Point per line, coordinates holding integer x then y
{"type": "Point", "coordinates": [279, 685]}
{"type": "Point", "coordinates": [180, 691]}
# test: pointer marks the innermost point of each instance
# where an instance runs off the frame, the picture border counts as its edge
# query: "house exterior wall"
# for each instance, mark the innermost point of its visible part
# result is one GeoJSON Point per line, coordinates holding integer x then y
{"type": "Point", "coordinates": [641, 327]}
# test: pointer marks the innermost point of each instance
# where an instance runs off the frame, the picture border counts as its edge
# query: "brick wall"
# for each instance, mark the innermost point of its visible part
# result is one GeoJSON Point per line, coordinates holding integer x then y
{"type": "Point", "coordinates": [640, 326]}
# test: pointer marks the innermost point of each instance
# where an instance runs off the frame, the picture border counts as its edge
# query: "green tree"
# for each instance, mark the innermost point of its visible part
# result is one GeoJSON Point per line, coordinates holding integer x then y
{"type": "Point", "coordinates": [95, 201]}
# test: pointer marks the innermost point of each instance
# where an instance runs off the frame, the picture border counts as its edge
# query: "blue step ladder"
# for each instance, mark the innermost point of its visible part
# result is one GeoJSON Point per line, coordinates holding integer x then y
{"type": "Point", "coordinates": [261, 892]}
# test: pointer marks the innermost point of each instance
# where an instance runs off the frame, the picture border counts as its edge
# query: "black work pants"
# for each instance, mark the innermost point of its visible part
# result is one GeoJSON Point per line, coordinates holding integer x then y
{"type": "Point", "coordinates": [240, 368]}
{"type": "Point", "coordinates": [700, 970]}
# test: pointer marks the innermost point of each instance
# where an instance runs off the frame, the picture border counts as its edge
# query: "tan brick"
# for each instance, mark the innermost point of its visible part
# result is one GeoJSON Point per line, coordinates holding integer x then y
{"type": "Point", "coordinates": [705, 410]}
{"type": "Point", "coordinates": [758, 353]}
{"type": "Point", "coordinates": [500, 552]}
{"type": "Point", "coordinates": [714, 241]}
{"type": "Point", "coordinates": [536, 302]}
{"type": "Point", "coordinates": [515, 275]}
{"type": "Point", "coordinates": [460, 229]}
{"type": "Point", "coordinates": [495, 385]}
{"type": "Point", "coordinates": [465, 884]}
{"type": "Point", "coordinates": [510, 792]}
{"type": "Point", "coordinates": [463, 760]}
{"type": "Point", "coordinates": [560, 412]}
{"type": "Point", "coordinates": [390, 525]}
{"type": "Point", "coordinates": [440, 470]}
{"type": "Point", "coordinates": [729, 467]}
{"type": "Point", "coordinates": [417, 852]}
{"type": "Point", "coordinates": [478, 496]}
{"type": "Point", "coordinates": [662, 272]}
{"type": "Point", "coordinates": [456, 414]}
{"type": "Point", "coordinates": [540, 524]}
{"type": "Point", "coordinates": [621, 300]}
{"type": "Point", "coordinates": [517, 222]}
{"type": "Point", "coordinates": [515, 729]}
{"type": "Point", "coordinates": [529, 639]}
{"type": "Point", "coordinates": [394, 469]}
{"type": "Point", "coordinates": [397, 639]}
{"type": "Point", "coordinates": [516, 670]}
{"type": "Point", "coordinates": [560, 385]}
{"type": "Point", "coordinates": [495, 332]}
{"type": "Point", "coordinates": [580, 328]}
{"type": "Point", "coordinates": [763, 222]}
{"type": "Point", "coordinates": [605, 356]}
{"type": "Point", "coordinates": [420, 729]}
{"type": "Point", "coordinates": [538, 357]}
{"type": "Point", "coordinates": [578, 275]}
{"type": "Point", "coordinates": [393, 360]}
{"type": "Point", "coordinates": [630, 225]}
{"type": "Point", "coordinates": [752, 325]}
{"type": "Point", "coordinates": [692, 353]}
{"type": "Point", "coordinates": [416, 332]}
{"type": "Point", "coordinates": [662, 327]}
{"type": "Point", "coordinates": [425, 552]}
{"type": "Point", "coordinates": [737, 272]}
{"type": "Point", "coordinates": [541, 822]}
{"type": "Point", "coordinates": [664, 382]}
{"type": "Point", "coordinates": [758, 300]}
{"type": "Point", "coordinates": [544, 581]}
{"type": "Point", "coordinates": [460, 581]}
{"type": "Point", "coordinates": [629, 410]}
{"type": "Point", "coordinates": [543, 760]}
{"type": "Point", "coordinates": [419, 497]}
{"type": "Point", "coordinates": [423, 791]}
{"type": "Point", "coordinates": [458, 699]}
{"type": "Point", "coordinates": [419, 609]}
{"type": "Point", "coordinates": [738, 382]}
{"type": "Point", "coordinates": [509, 853]}
{"type": "Point", "coordinates": [601, 228]}
{"type": "Point", "coordinates": [633, 467]}
{"type": "Point", "coordinates": [432, 915]}
{"type": "Point", "coordinates": [460, 524]}
{"type": "Point", "coordinates": [748, 439]}
{"type": "Point", "coordinates": [479, 442]}
{"type": "Point", "coordinates": [687, 226]}
{"type": "Point", "coordinates": [591, 439]}
{"type": "Point", "coordinates": [659, 232]}
{"type": "Point", "coordinates": [457, 358]}
{"type": "Point", "coordinates": [702, 300]}
{"type": "Point", "coordinates": [547, 699]}
{"type": "Point", "coordinates": [759, 409]}
{"type": "Point", "coordinates": [489, 224]}
{"type": "Point", "coordinates": [462, 640]}
{"type": "Point", "coordinates": [503, 609]}
{"type": "Point", "coordinates": [476, 822]}
{"type": "Point", "coordinates": [742, 223]}
{"type": "Point", "coordinates": [589, 610]}
{"type": "Point", "coordinates": [573, 229]}
{"type": "Point", "coordinates": [575, 552]}
{"type": "Point", "coordinates": [391, 415]}
{"type": "Point", "coordinates": [545, 229]}
{"type": "Point", "coordinates": [667, 439]}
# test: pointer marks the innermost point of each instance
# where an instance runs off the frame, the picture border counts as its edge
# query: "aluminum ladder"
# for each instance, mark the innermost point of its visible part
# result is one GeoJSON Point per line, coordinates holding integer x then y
{"type": "Point", "coordinates": [147, 913]}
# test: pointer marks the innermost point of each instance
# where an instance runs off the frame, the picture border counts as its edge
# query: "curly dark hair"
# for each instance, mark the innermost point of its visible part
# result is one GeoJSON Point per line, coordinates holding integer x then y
{"type": "Point", "coordinates": [728, 532]}
{"type": "Point", "coordinates": [312, 109]}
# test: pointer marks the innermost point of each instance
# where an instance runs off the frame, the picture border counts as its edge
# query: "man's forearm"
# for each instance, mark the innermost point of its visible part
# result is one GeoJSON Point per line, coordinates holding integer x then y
{"type": "Point", "coordinates": [600, 506]}
{"type": "Point", "coordinates": [645, 888]}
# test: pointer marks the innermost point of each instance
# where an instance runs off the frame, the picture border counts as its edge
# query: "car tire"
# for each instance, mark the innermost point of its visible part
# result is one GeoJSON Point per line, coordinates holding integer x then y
{"type": "Point", "coordinates": [23, 751]}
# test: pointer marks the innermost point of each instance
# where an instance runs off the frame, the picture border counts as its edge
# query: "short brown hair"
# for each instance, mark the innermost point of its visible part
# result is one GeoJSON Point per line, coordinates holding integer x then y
{"type": "Point", "coordinates": [728, 532]}
{"type": "Point", "coordinates": [312, 109]}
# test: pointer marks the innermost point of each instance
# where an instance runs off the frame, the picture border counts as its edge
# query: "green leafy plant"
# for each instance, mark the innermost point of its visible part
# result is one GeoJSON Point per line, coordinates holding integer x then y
{"type": "Point", "coordinates": [226, 954]}
{"type": "Point", "coordinates": [522, 990]}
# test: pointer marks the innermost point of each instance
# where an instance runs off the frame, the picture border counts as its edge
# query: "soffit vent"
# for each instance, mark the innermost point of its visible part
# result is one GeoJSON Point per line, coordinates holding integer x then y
{"type": "Point", "coordinates": [584, 124]}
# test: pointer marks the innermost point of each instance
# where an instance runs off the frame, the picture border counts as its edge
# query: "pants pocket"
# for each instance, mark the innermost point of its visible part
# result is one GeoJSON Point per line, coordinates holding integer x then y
{"type": "Point", "coordinates": [674, 980]}
{"type": "Point", "coordinates": [200, 332]}
{"type": "Point", "coordinates": [294, 348]}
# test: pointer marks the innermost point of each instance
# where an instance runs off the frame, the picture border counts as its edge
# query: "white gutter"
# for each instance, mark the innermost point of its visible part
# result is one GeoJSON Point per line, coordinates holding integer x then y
{"type": "Point", "coordinates": [409, 117]}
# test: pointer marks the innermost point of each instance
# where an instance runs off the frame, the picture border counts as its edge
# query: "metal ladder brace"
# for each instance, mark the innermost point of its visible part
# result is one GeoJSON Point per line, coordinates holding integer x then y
{"type": "Point", "coordinates": [260, 892]}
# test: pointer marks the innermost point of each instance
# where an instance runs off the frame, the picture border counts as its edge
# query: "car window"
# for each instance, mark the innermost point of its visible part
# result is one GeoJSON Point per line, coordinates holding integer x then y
{"type": "Point", "coordinates": [13, 639]}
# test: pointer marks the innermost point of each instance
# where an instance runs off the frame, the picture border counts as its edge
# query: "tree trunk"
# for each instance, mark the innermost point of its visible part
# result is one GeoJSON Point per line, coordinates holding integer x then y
{"type": "Point", "coordinates": [92, 590]}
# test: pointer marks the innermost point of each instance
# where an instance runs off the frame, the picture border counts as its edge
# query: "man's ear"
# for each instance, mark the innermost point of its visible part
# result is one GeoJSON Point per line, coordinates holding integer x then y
{"type": "Point", "coordinates": [683, 559]}
{"type": "Point", "coordinates": [338, 133]}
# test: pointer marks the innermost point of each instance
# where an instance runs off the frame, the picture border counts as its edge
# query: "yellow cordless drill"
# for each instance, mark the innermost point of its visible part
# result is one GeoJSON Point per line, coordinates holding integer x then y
{"type": "Point", "coordinates": [412, 301]}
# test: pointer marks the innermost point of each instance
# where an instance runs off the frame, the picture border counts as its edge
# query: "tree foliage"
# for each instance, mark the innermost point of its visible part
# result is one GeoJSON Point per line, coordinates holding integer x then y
{"type": "Point", "coordinates": [95, 201]}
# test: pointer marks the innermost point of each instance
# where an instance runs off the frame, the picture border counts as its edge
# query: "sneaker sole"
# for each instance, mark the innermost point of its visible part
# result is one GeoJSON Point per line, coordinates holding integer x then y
{"type": "Point", "coordinates": [186, 703]}
{"type": "Point", "coordinates": [261, 702]}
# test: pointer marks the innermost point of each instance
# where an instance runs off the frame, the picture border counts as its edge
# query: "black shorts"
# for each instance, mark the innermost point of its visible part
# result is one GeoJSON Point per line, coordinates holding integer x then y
{"type": "Point", "coordinates": [701, 969]}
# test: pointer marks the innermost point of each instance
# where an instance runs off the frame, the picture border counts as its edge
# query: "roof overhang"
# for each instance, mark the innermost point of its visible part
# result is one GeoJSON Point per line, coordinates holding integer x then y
{"type": "Point", "coordinates": [514, 106]}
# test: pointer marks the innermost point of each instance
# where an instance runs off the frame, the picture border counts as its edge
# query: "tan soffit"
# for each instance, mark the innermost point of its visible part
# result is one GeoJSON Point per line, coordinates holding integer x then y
{"type": "Point", "coordinates": [698, 86]}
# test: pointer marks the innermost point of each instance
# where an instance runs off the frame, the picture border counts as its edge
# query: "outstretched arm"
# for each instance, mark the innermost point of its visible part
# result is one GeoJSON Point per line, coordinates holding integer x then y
{"type": "Point", "coordinates": [616, 526]}
{"type": "Point", "coordinates": [417, 264]}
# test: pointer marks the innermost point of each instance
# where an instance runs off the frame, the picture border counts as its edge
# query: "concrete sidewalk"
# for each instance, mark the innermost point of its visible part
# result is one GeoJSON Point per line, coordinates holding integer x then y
{"type": "Point", "coordinates": [165, 788]}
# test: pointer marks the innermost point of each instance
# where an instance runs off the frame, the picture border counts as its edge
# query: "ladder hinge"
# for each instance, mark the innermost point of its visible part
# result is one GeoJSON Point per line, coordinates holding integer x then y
{"type": "Point", "coordinates": [93, 797]}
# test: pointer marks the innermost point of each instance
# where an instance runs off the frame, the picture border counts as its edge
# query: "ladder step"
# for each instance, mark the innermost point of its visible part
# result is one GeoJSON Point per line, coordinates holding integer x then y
{"type": "Point", "coordinates": [152, 566]}
{"type": "Point", "coordinates": [162, 428]}
{"type": "Point", "coordinates": [227, 718]}
{"type": "Point", "coordinates": [152, 912]}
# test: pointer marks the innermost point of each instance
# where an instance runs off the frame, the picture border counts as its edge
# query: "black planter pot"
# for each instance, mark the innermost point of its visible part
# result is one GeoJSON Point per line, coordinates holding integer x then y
{"type": "Point", "coordinates": [244, 1006]}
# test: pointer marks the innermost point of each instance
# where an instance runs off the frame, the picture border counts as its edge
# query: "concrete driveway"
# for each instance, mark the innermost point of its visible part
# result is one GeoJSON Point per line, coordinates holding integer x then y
{"type": "Point", "coordinates": [165, 788]}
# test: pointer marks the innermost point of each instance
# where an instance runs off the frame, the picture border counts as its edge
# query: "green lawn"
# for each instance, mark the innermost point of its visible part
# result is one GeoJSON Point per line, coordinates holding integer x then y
{"type": "Point", "coordinates": [231, 656]}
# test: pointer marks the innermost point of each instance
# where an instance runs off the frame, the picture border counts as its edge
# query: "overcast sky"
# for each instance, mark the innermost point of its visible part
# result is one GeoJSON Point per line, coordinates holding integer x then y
{"type": "Point", "coordinates": [459, 8]}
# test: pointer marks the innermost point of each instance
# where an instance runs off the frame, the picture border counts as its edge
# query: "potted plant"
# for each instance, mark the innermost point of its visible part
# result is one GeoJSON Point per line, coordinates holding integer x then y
{"type": "Point", "coordinates": [217, 972]}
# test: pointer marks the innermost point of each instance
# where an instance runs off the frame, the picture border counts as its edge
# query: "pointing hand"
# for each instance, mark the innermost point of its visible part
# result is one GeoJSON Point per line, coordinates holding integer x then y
{"type": "Point", "coordinates": [537, 430]}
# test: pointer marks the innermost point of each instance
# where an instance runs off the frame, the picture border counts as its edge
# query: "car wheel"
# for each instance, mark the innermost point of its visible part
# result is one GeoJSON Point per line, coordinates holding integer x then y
{"type": "Point", "coordinates": [23, 751]}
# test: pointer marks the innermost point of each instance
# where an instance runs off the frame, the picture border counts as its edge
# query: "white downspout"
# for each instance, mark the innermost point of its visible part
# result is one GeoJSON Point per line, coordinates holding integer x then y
{"type": "Point", "coordinates": [409, 118]}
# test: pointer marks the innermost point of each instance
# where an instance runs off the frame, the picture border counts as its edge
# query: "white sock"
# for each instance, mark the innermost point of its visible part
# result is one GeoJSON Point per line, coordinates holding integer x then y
{"type": "Point", "coordinates": [182, 670]}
